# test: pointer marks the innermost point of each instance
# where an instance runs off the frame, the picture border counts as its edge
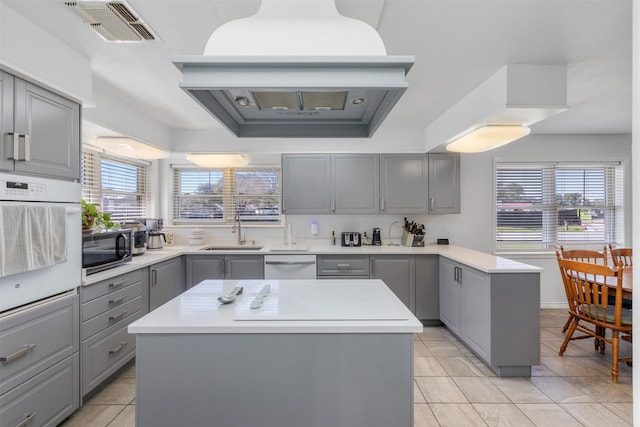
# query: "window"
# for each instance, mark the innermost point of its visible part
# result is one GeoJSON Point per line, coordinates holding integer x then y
{"type": "Point", "coordinates": [544, 205]}
{"type": "Point", "coordinates": [118, 186]}
{"type": "Point", "coordinates": [215, 196]}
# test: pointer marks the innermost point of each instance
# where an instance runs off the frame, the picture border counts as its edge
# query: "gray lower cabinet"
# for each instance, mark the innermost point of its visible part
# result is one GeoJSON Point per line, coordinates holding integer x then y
{"type": "Point", "coordinates": [398, 273]}
{"type": "Point", "coordinates": [218, 267]}
{"type": "Point", "coordinates": [107, 308]}
{"type": "Point", "coordinates": [166, 281]}
{"type": "Point", "coordinates": [306, 183]}
{"type": "Point", "coordinates": [427, 303]}
{"type": "Point", "coordinates": [41, 130]}
{"type": "Point", "coordinates": [39, 372]}
{"type": "Point", "coordinates": [403, 183]}
{"type": "Point", "coordinates": [495, 315]}
{"type": "Point", "coordinates": [444, 183]}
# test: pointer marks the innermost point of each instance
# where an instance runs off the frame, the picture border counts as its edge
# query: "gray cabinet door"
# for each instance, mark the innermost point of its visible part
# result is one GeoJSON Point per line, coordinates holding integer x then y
{"type": "Point", "coordinates": [306, 183]}
{"type": "Point", "coordinates": [6, 121]}
{"type": "Point", "coordinates": [476, 311]}
{"type": "Point", "coordinates": [398, 273]}
{"type": "Point", "coordinates": [444, 183]}
{"type": "Point", "coordinates": [355, 183]}
{"type": "Point", "coordinates": [166, 282]}
{"type": "Point", "coordinates": [449, 296]}
{"type": "Point", "coordinates": [244, 267]}
{"type": "Point", "coordinates": [203, 267]}
{"type": "Point", "coordinates": [403, 183]}
{"type": "Point", "coordinates": [427, 291]}
{"type": "Point", "coordinates": [51, 124]}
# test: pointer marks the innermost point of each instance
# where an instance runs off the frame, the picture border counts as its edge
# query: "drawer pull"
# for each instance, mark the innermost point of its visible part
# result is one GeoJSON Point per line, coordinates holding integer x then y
{"type": "Point", "coordinates": [18, 354]}
{"type": "Point", "coordinates": [343, 265]}
{"type": "Point", "coordinates": [290, 262]}
{"type": "Point", "coordinates": [119, 348]}
{"type": "Point", "coordinates": [118, 316]}
{"type": "Point", "coordinates": [117, 284]}
{"type": "Point", "coordinates": [27, 420]}
{"type": "Point", "coordinates": [118, 300]}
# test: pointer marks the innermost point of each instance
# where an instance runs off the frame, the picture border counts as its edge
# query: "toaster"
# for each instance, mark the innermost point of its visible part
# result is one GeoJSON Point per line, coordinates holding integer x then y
{"type": "Point", "coordinates": [351, 238]}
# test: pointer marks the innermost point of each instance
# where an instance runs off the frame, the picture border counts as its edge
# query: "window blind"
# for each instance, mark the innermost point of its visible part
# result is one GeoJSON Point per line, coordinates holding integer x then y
{"type": "Point", "coordinates": [217, 195]}
{"type": "Point", "coordinates": [118, 186]}
{"type": "Point", "coordinates": [541, 206]}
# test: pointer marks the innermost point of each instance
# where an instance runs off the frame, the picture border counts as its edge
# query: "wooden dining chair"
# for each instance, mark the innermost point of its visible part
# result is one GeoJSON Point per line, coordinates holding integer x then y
{"type": "Point", "coordinates": [622, 256]}
{"type": "Point", "coordinates": [590, 309]}
{"type": "Point", "coordinates": [583, 255]}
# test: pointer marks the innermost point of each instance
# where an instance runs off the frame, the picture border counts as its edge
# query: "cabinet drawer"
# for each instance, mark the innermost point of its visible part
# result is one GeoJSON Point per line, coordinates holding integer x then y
{"type": "Point", "coordinates": [46, 399]}
{"type": "Point", "coordinates": [37, 338]}
{"type": "Point", "coordinates": [110, 301]}
{"type": "Point", "coordinates": [106, 352]}
{"type": "Point", "coordinates": [87, 293]}
{"type": "Point", "coordinates": [343, 265]}
{"type": "Point", "coordinates": [112, 317]}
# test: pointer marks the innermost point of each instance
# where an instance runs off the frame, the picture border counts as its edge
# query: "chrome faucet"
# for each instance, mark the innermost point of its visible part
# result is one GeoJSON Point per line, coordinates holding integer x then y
{"type": "Point", "coordinates": [236, 218]}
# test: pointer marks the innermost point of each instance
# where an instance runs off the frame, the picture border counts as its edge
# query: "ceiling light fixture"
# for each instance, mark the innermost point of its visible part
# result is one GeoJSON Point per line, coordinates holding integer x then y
{"type": "Point", "coordinates": [129, 147]}
{"type": "Point", "coordinates": [501, 109]}
{"type": "Point", "coordinates": [487, 138]}
{"type": "Point", "coordinates": [210, 160]}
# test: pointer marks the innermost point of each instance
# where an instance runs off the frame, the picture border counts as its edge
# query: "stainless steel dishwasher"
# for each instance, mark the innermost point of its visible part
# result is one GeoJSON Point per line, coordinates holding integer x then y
{"type": "Point", "coordinates": [290, 266]}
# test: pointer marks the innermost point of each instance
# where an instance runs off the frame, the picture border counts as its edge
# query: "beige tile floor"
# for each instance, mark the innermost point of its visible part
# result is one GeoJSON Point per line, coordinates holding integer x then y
{"type": "Point", "coordinates": [452, 387]}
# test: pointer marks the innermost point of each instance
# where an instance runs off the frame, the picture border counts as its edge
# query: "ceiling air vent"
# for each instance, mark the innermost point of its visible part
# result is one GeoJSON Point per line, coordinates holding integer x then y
{"type": "Point", "coordinates": [113, 20]}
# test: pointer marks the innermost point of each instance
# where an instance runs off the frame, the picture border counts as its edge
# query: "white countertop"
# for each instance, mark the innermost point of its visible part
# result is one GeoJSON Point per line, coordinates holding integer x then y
{"type": "Point", "coordinates": [291, 306]}
{"type": "Point", "coordinates": [479, 260]}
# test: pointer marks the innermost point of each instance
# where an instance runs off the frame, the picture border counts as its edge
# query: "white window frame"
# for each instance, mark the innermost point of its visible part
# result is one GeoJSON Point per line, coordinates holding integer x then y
{"type": "Point", "coordinates": [228, 196]}
{"type": "Point", "coordinates": [617, 201]}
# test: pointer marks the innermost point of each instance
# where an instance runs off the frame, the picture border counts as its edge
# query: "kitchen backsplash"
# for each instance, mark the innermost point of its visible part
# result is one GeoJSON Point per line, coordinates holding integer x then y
{"type": "Point", "coordinates": [301, 228]}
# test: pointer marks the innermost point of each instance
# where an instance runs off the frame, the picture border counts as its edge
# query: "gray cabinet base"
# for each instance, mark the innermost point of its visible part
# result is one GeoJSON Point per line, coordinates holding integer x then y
{"type": "Point", "coordinates": [274, 380]}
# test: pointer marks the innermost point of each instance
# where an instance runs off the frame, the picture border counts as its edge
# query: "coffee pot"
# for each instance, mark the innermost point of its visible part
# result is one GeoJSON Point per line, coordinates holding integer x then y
{"type": "Point", "coordinates": [155, 241]}
{"type": "Point", "coordinates": [376, 239]}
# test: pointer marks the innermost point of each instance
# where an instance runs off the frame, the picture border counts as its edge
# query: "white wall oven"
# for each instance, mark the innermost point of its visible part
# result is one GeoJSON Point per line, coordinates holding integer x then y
{"type": "Point", "coordinates": [40, 238]}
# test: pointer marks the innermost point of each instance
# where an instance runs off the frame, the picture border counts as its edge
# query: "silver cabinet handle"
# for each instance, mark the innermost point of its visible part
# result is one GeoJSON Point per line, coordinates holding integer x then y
{"type": "Point", "coordinates": [118, 300]}
{"type": "Point", "coordinates": [333, 205]}
{"type": "Point", "coordinates": [455, 274]}
{"type": "Point", "coordinates": [27, 420]}
{"type": "Point", "coordinates": [343, 265]}
{"type": "Point", "coordinates": [18, 354]}
{"type": "Point", "coordinates": [289, 262]}
{"type": "Point", "coordinates": [154, 277]}
{"type": "Point", "coordinates": [430, 203]}
{"type": "Point", "coordinates": [117, 284]}
{"type": "Point", "coordinates": [118, 316]}
{"type": "Point", "coordinates": [27, 148]}
{"type": "Point", "coordinates": [118, 348]}
{"type": "Point", "coordinates": [16, 146]}
{"type": "Point", "coordinates": [382, 204]}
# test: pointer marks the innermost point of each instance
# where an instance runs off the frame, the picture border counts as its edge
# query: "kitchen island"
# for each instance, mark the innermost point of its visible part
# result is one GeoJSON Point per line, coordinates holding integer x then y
{"type": "Point", "coordinates": [314, 354]}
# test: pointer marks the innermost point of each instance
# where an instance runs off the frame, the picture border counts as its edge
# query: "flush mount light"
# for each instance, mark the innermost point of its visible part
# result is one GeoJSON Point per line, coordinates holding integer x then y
{"type": "Point", "coordinates": [487, 138]}
{"type": "Point", "coordinates": [129, 147]}
{"type": "Point", "coordinates": [210, 160]}
{"type": "Point", "coordinates": [243, 101]}
{"type": "Point", "coordinates": [357, 101]}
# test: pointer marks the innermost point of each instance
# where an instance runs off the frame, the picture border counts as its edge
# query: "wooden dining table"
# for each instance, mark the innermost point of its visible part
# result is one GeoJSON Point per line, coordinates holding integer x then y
{"type": "Point", "coordinates": [627, 282]}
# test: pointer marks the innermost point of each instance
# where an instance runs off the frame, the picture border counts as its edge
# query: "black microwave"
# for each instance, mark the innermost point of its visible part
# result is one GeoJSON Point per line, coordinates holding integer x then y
{"type": "Point", "coordinates": [105, 249]}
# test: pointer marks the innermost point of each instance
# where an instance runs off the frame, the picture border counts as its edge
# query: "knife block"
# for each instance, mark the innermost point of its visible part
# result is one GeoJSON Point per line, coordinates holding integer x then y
{"type": "Point", "coordinates": [407, 238]}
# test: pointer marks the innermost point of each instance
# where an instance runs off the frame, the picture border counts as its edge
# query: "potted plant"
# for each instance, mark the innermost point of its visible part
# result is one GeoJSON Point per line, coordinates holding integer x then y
{"type": "Point", "coordinates": [92, 218]}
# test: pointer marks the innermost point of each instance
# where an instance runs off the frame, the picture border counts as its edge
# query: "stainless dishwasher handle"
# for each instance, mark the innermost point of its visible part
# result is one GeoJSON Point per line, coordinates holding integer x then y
{"type": "Point", "coordinates": [27, 420]}
{"type": "Point", "coordinates": [18, 354]}
{"type": "Point", "coordinates": [289, 262]}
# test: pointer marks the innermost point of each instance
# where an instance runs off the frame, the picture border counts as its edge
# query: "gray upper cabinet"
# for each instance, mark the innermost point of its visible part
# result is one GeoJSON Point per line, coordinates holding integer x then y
{"type": "Point", "coordinates": [444, 183]}
{"type": "Point", "coordinates": [306, 183]}
{"type": "Point", "coordinates": [355, 183]}
{"type": "Point", "coordinates": [403, 183]}
{"type": "Point", "coordinates": [41, 130]}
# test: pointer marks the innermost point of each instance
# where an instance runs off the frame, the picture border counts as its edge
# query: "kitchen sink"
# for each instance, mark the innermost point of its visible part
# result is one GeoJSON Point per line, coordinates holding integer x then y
{"type": "Point", "coordinates": [232, 248]}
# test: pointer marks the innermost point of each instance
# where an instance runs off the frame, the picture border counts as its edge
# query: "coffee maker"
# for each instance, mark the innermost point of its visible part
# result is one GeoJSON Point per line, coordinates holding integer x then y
{"type": "Point", "coordinates": [376, 239]}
